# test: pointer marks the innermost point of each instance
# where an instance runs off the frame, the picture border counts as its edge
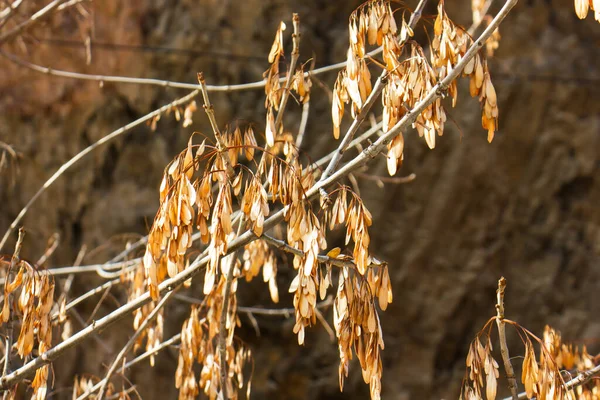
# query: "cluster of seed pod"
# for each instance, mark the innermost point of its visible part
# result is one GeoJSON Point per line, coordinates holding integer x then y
{"type": "Point", "coordinates": [304, 232]}
{"type": "Point", "coordinates": [302, 84]}
{"type": "Point", "coordinates": [199, 337]}
{"type": "Point", "coordinates": [482, 367]}
{"type": "Point", "coordinates": [372, 23]}
{"type": "Point", "coordinates": [171, 233]}
{"type": "Point", "coordinates": [257, 255]}
{"type": "Point", "coordinates": [84, 384]}
{"type": "Point", "coordinates": [273, 90]}
{"type": "Point", "coordinates": [35, 300]}
{"type": "Point", "coordinates": [449, 45]}
{"type": "Point", "coordinates": [357, 328]}
{"type": "Point", "coordinates": [153, 334]}
{"type": "Point", "coordinates": [357, 219]}
{"type": "Point", "coordinates": [582, 7]}
{"type": "Point", "coordinates": [565, 355]}
{"type": "Point", "coordinates": [541, 379]}
{"type": "Point", "coordinates": [254, 204]}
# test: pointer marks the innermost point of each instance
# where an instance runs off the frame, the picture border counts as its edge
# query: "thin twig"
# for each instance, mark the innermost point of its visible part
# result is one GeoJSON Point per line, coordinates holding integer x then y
{"type": "Point", "coordinates": [87, 295]}
{"type": "Point", "coordinates": [303, 124]}
{"type": "Point", "coordinates": [387, 179]}
{"type": "Point", "coordinates": [325, 324]}
{"type": "Point", "coordinates": [14, 261]}
{"type": "Point", "coordinates": [89, 149]}
{"type": "Point", "coordinates": [322, 258]}
{"type": "Point", "coordinates": [364, 111]}
{"type": "Point", "coordinates": [210, 112]}
{"type": "Point", "coordinates": [130, 344]}
{"type": "Point", "coordinates": [510, 373]}
{"type": "Point", "coordinates": [285, 312]}
{"type": "Point", "coordinates": [106, 271]}
{"type": "Point", "coordinates": [169, 284]}
{"type": "Point", "coordinates": [53, 243]}
{"type": "Point", "coordinates": [38, 16]}
{"type": "Point", "coordinates": [182, 85]}
{"type": "Point", "coordinates": [290, 74]}
{"type": "Point", "coordinates": [8, 12]}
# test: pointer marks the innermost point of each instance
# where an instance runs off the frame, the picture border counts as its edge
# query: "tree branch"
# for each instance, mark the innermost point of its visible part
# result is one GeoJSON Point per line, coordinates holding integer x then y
{"type": "Point", "coordinates": [89, 149]}
{"type": "Point", "coordinates": [169, 284]}
{"type": "Point", "coordinates": [130, 344]}
{"type": "Point", "coordinates": [290, 74]}
{"type": "Point", "coordinates": [510, 373]}
{"type": "Point", "coordinates": [38, 16]}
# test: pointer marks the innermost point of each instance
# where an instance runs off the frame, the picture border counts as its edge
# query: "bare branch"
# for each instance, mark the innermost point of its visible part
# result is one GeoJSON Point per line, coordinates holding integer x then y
{"type": "Point", "coordinates": [290, 74]}
{"type": "Point", "coordinates": [510, 373]}
{"type": "Point", "coordinates": [285, 312]}
{"type": "Point", "coordinates": [9, 11]}
{"type": "Point", "coordinates": [130, 344]}
{"type": "Point", "coordinates": [210, 112]}
{"type": "Point", "coordinates": [325, 259]}
{"type": "Point", "coordinates": [89, 149]}
{"type": "Point", "coordinates": [37, 17]}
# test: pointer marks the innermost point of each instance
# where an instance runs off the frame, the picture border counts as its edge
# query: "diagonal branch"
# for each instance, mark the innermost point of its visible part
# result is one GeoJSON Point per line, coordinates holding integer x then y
{"type": "Point", "coordinates": [128, 346]}
{"type": "Point", "coordinates": [171, 283]}
{"type": "Point", "coordinates": [89, 149]}
{"type": "Point", "coordinates": [37, 17]}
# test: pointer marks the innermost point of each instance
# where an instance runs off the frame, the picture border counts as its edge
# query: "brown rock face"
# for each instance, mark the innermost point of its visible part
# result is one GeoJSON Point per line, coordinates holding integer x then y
{"type": "Point", "coordinates": [524, 207]}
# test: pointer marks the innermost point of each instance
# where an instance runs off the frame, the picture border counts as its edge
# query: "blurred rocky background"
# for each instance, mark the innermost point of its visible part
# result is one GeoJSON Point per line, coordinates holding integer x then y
{"type": "Point", "coordinates": [524, 207]}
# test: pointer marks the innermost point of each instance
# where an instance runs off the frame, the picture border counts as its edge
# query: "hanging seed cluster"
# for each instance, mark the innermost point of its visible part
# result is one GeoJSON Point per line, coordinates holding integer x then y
{"type": "Point", "coordinates": [410, 77]}
{"type": "Point", "coordinates": [542, 377]}
{"type": "Point", "coordinates": [357, 324]}
{"type": "Point", "coordinates": [34, 294]}
{"type": "Point", "coordinates": [582, 7]}
{"type": "Point", "coordinates": [153, 334]}
{"type": "Point", "coordinates": [199, 335]}
{"type": "Point", "coordinates": [258, 255]}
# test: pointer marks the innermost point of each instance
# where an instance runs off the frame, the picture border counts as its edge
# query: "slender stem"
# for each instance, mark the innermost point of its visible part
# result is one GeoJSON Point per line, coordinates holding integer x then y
{"type": "Point", "coordinates": [89, 149]}
{"type": "Point", "coordinates": [130, 344]}
{"type": "Point", "coordinates": [87, 295]}
{"type": "Point", "coordinates": [172, 341]}
{"type": "Point", "coordinates": [322, 258]}
{"type": "Point", "coordinates": [248, 236]}
{"type": "Point", "coordinates": [210, 112]}
{"type": "Point", "coordinates": [8, 12]}
{"type": "Point", "coordinates": [14, 261]}
{"type": "Point", "coordinates": [303, 124]}
{"type": "Point", "coordinates": [344, 144]}
{"type": "Point", "coordinates": [290, 74]}
{"type": "Point", "coordinates": [223, 329]}
{"type": "Point", "coordinates": [510, 373]}
{"type": "Point", "coordinates": [38, 16]}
